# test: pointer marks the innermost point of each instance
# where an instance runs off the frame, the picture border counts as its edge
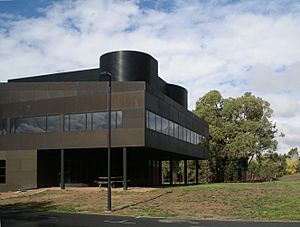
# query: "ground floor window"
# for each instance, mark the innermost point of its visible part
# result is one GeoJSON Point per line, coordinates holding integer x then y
{"type": "Point", "coordinates": [2, 171]}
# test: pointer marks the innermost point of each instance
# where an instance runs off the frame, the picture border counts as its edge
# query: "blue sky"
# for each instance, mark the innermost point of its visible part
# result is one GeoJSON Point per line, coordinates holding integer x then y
{"type": "Point", "coordinates": [231, 46]}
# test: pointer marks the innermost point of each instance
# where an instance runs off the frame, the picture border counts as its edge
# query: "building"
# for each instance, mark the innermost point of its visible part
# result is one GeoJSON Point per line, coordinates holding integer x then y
{"type": "Point", "coordinates": [57, 122]}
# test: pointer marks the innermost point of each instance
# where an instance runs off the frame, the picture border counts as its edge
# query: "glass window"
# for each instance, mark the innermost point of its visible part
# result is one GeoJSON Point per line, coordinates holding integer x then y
{"type": "Point", "coordinates": [158, 123]}
{"type": "Point", "coordinates": [176, 130]}
{"type": "Point", "coordinates": [2, 171]}
{"type": "Point", "coordinates": [53, 123]}
{"type": "Point", "coordinates": [180, 128]}
{"type": "Point", "coordinates": [66, 122]}
{"type": "Point", "coordinates": [188, 135]}
{"type": "Point", "coordinates": [119, 119]}
{"type": "Point", "coordinates": [27, 125]}
{"type": "Point", "coordinates": [171, 129]}
{"type": "Point", "coordinates": [100, 120]}
{"type": "Point", "coordinates": [3, 126]}
{"type": "Point", "coordinates": [184, 134]}
{"type": "Point", "coordinates": [89, 121]}
{"type": "Point", "coordinates": [151, 121]}
{"type": "Point", "coordinates": [164, 125]}
{"type": "Point", "coordinates": [78, 122]}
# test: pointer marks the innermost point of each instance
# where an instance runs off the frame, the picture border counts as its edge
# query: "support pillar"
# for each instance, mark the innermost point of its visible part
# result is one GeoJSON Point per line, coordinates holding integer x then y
{"type": "Point", "coordinates": [185, 172]}
{"type": "Point", "coordinates": [171, 171]}
{"type": "Point", "coordinates": [62, 169]}
{"type": "Point", "coordinates": [124, 168]}
{"type": "Point", "coordinates": [197, 171]}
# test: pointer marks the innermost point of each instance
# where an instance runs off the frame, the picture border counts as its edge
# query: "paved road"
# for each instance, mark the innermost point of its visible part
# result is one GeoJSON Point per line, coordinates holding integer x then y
{"type": "Point", "coordinates": [48, 219]}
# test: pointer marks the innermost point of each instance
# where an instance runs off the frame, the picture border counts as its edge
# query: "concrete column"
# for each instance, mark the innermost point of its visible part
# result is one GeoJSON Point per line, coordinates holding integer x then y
{"type": "Point", "coordinates": [171, 171]}
{"type": "Point", "coordinates": [197, 171]}
{"type": "Point", "coordinates": [62, 169]}
{"type": "Point", "coordinates": [124, 168]}
{"type": "Point", "coordinates": [185, 172]}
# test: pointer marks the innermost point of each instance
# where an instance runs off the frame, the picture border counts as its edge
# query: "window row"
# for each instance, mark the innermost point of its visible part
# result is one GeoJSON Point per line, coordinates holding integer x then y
{"type": "Point", "coordinates": [170, 128]}
{"type": "Point", "coordinates": [72, 122]}
{"type": "Point", "coordinates": [91, 121]}
{"type": "Point", "coordinates": [35, 124]}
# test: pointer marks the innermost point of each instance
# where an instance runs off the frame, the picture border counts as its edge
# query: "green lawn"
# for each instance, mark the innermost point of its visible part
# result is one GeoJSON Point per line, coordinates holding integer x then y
{"type": "Point", "coordinates": [279, 200]}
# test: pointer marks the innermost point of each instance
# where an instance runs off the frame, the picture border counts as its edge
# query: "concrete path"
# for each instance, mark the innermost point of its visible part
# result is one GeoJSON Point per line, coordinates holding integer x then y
{"type": "Point", "coordinates": [26, 218]}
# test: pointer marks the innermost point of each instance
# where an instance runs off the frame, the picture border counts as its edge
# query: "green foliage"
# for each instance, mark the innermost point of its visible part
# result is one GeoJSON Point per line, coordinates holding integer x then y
{"type": "Point", "coordinates": [269, 166]}
{"type": "Point", "coordinates": [240, 129]}
{"type": "Point", "coordinates": [293, 161]}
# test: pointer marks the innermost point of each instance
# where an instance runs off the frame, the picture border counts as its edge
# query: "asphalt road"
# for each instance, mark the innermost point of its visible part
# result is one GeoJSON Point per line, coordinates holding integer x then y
{"type": "Point", "coordinates": [26, 218]}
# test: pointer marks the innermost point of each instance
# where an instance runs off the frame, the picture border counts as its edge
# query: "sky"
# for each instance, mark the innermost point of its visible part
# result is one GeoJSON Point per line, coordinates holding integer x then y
{"type": "Point", "coordinates": [227, 45]}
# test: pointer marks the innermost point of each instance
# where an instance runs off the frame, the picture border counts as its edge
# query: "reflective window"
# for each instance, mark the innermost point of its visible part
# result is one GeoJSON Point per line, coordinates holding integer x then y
{"type": "Point", "coordinates": [78, 122]}
{"type": "Point", "coordinates": [100, 120]}
{"type": "Point", "coordinates": [89, 121]}
{"type": "Point", "coordinates": [2, 171]}
{"type": "Point", "coordinates": [164, 126]}
{"type": "Point", "coordinates": [53, 123]}
{"type": "Point", "coordinates": [158, 123]}
{"type": "Point", "coordinates": [171, 129]}
{"type": "Point", "coordinates": [180, 132]}
{"type": "Point", "coordinates": [3, 126]}
{"type": "Point", "coordinates": [151, 121]}
{"type": "Point", "coordinates": [119, 117]}
{"type": "Point", "coordinates": [176, 130]}
{"type": "Point", "coordinates": [28, 125]}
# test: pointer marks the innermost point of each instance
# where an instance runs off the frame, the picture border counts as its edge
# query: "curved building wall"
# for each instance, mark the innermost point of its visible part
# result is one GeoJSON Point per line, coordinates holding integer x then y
{"type": "Point", "coordinates": [177, 93]}
{"type": "Point", "coordinates": [129, 66]}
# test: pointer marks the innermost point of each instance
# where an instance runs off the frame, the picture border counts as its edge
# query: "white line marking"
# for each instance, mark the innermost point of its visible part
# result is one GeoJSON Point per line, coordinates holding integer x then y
{"type": "Point", "coordinates": [123, 222]}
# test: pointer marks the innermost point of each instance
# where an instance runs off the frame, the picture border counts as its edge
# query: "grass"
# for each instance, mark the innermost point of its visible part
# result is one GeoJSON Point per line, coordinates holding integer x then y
{"type": "Point", "coordinates": [278, 200]}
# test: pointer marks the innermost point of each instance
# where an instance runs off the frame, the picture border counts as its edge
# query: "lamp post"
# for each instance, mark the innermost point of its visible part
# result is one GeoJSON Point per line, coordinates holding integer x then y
{"type": "Point", "coordinates": [108, 74]}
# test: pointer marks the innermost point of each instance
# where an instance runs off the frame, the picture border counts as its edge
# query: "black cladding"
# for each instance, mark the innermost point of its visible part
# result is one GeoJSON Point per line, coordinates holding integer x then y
{"type": "Point", "coordinates": [129, 66]}
{"type": "Point", "coordinates": [138, 66]}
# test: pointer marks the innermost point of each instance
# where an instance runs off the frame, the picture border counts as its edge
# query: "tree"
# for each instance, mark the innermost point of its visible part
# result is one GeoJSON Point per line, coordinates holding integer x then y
{"type": "Point", "coordinates": [240, 129]}
{"type": "Point", "coordinates": [292, 161]}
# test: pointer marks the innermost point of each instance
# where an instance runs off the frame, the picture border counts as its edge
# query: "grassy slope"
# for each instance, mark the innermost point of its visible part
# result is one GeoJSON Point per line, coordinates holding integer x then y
{"type": "Point", "coordinates": [278, 200]}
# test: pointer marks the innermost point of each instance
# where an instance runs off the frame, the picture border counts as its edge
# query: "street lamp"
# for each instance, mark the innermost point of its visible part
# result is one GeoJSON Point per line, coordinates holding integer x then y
{"type": "Point", "coordinates": [108, 75]}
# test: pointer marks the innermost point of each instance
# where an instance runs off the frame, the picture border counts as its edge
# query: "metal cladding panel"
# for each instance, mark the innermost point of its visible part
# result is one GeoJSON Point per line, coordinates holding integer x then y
{"type": "Point", "coordinates": [178, 93]}
{"type": "Point", "coordinates": [129, 66]}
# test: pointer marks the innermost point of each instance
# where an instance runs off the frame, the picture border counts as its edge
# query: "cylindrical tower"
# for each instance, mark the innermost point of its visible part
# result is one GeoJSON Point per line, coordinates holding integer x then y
{"type": "Point", "coordinates": [129, 66]}
{"type": "Point", "coordinates": [177, 93]}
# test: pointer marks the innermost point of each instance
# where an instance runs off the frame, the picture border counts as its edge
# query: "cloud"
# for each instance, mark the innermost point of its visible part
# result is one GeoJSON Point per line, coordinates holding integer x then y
{"type": "Point", "coordinates": [232, 46]}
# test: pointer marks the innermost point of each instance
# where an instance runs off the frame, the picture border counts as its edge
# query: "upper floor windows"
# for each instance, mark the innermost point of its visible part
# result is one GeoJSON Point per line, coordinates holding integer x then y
{"type": "Point", "coordinates": [91, 121]}
{"type": "Point", "coordinates": [35, 124]}
{"type": "Point", "coordinates": [170, 128]}
{"type": "Point", "coordinates": [71, 122]}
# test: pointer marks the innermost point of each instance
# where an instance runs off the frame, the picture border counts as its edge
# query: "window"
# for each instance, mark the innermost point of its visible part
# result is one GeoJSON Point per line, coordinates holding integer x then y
{"type": "Point", "coordinates": [77, 122]}
{"type": "Point", "coordinates": [89, 121]}
{"type": "Point", "coordinates": [28, 125]}
{"type": "Point", "coordinates": [2, 171]}
{"type": "Point", "coordinates": [100, 120]}
{"type": "Point", "coordinates": [158, 123]}
{"type": "Point", "coordinates": [151, 121]}
{"type": "Point", "coordinates": [3, 126]}
{"type": "Point", "coordinates": [119, 118]}
{"type": "Point", "coordinates": [171, 129]}
{"type": "Point", "coordinates": [176, 130]}
{"type": "Point", "coordinates": [53, 123]}
{"type": "Point", "coordinates": [164, 125]}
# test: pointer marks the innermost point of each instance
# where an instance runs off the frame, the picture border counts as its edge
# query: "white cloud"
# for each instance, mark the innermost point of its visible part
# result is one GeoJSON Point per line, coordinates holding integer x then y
{"type": "Point", "coordinates": [234, 48]}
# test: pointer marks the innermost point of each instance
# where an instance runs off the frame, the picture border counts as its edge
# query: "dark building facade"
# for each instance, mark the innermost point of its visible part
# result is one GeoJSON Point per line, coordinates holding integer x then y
{"type": "Point", "coordinates": [42, 115]}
